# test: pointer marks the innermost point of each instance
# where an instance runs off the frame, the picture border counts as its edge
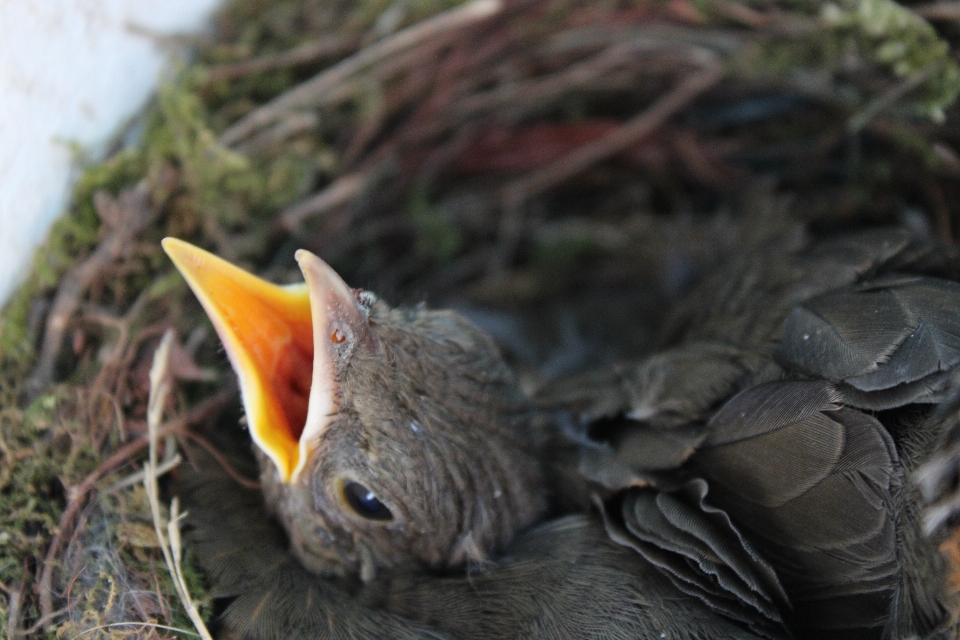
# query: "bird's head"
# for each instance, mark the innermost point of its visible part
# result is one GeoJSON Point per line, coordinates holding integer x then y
{"type": "Point", "coordinates": [386, 436]}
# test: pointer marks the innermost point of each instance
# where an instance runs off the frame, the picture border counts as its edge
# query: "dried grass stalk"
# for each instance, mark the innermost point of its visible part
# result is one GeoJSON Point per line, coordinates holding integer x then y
{"type": "Point", "coordinates": [170, 544]}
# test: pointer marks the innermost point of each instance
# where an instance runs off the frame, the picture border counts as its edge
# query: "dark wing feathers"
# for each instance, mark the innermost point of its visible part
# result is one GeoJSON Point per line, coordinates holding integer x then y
{"type": "Point", "coordinates": [779, 466]}
{"type": "Point", "coordinates": [768, 407]}
{"type": "Point", "coordinates": [798, 342]}
{"type": "Point", "coordinates": [886, 343]}
{"type": "Point", "coordinates": [846, 258]}
{"type": "Point", "coordinates": [809, 307]}
{"type": "Point", "coordinates": [831, 338]}
{"type": "Point", "coordinates": [743, 302]}
{"type": "Point", "coordinates": [702, 553]}
{"type": "Point", "coordinates": [816, 497]}
{"type": "Point", "coordinates": [671, 388]}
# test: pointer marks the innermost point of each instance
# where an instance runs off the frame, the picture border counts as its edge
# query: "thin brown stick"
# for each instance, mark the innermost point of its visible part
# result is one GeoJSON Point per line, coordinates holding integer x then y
{"type": "Point", "coordinates": [157, 591]}
{"type": "Point", "coordinates": [740, 13]}
{"type": "Point", "coordinates": [888, 98]}
{"type": "Point", "coordinates": [98, 390]}
{"type": "Point", "coordinates": [124, 219]}
{"type": "Point", "coordinates": [420, 84]}
{"type": "Point", "coordinates": [515, 193]}
{"type": "Point", "coordinates": [13, 605]}
{"type": "Point", "coordinates": [940, 212]}
{"type": "Point", "coordinates": [540, 90]}
{"type": "Point", "coordinates": [313, 89]}
{"type": "Point", "coordinates": [293, 124]}
{"type": "Point", "coordinates": [73, 581]}
{"type": "Point", "coordinates": [328, 47]}
{"type": "Point", "coordinates": [151, 625]}
{"type": "Point", "coordinates": [627, 134]}
{"type": "Point", "coordinates": [78, 496]}
{"type": "Point", "coordinates": [19, 633]}
{"type": "Point", "coordinates": [338, 192]}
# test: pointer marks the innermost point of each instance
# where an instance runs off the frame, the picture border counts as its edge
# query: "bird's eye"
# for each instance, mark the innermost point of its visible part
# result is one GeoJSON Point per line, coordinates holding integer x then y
{"type": "Point", "coordinates": [337, 337]}
{"type": "Point", "coordinates": [364, 502]}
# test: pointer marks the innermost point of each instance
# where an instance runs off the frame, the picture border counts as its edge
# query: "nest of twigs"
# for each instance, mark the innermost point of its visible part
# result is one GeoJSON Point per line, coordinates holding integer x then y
{"type": "Point", "coordinates": [575, 161]}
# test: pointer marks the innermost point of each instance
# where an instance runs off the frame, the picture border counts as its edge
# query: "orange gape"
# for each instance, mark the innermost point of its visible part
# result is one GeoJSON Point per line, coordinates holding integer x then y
{"type": "Point", "coordinates": [267, 332]}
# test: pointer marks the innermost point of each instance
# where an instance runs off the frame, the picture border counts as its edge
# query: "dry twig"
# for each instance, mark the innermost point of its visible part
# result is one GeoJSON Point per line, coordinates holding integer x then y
{"type": "Point", "coordinates": [627, 134]}
{"type": "Point", "coordinates": [124, 454]}
{"type": "Point", "coordinates": [339, 192]}
{"type": "Point", "coordinates": [124, 218]}
{"type": "Point", "coordinates": [314, 89]}
{"type": "Point", "coordinates": [328, 47]}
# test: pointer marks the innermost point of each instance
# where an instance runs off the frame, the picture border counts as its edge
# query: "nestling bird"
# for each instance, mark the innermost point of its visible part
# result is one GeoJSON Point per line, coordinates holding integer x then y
{"type": "Point", "coordinates": [752, 475]}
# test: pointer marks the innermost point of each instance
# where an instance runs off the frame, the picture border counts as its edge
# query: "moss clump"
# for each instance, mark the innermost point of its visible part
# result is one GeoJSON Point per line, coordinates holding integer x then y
{"type": "Point", "coordinates": [832, 47]}
{"type": "Point", "coordinates": [891, 35]}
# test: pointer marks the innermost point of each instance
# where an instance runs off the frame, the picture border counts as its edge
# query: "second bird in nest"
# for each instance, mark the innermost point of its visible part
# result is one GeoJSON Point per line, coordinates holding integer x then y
{"type": "Point", "coordinates": [753, 476]}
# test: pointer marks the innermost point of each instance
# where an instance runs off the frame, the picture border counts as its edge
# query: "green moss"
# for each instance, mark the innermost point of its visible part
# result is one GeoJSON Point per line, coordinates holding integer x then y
{"type": "Point", "coordinates": [38, 445]}
{"type": "Point", "coordinates": [900, 40]}
{"type": "Point", "coordinates": [555, 258]}
{"type": "Point", "coordinates": [881, 32]}
{"type": "Point", "coordinates": [220, 183]}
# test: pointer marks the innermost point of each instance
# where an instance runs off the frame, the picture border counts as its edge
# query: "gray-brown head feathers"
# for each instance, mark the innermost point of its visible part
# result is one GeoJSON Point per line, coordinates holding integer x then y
{"type": "Point", "coordinates": [427, 459]}
{"type": "Point", "coordinates": [385, 436]}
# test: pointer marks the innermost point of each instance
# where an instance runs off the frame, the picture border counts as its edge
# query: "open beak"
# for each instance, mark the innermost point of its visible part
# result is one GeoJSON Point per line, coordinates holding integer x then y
{"type": "Point", "coordinates": [267, 332]}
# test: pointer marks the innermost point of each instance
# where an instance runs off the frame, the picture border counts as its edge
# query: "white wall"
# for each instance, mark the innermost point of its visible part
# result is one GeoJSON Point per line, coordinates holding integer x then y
{"type": "Point", "coordinates": [70, 70]}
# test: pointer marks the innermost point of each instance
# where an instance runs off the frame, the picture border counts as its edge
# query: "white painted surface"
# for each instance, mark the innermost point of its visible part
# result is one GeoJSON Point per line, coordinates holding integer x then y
{"type": "Point", "coordinates": [70, 70]}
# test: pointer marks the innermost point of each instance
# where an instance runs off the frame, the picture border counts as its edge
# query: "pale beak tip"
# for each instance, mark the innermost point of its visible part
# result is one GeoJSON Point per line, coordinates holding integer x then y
{"type": "Point", "coordinates": [175, 247]}
{"type": "Point", "coordinates": [310, 264]}
{"type": "Point", "coordinates": [303, 257]}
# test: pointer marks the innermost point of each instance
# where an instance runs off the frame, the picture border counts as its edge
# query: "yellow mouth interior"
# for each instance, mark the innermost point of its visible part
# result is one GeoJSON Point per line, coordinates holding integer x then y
{"type": "Point", "coordinates": [267, 333]}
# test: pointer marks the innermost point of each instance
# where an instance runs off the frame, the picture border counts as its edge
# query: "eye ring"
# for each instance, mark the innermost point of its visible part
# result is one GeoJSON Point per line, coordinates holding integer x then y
{"type": "Point", "coordinates": [337, 337]}
{"type": "Point", "coordinates": [363, 502]}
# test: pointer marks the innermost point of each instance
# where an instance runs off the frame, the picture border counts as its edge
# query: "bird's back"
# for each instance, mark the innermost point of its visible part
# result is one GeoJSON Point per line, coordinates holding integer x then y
{"type": "Point", "coordinates": [765, 451]}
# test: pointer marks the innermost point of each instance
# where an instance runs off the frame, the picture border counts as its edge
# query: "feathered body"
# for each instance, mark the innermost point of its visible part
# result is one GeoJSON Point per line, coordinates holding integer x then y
{"type": "Point", "coordinates": [753, 474]}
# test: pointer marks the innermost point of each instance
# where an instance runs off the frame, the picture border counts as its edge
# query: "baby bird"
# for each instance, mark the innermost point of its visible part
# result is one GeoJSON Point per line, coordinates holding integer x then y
{"type": "Point", "coordinates": [395, 448]}
{"type": "Point", "coordinates": [752, 475]}
{"type": "Point", "coordinates": [386, 437]}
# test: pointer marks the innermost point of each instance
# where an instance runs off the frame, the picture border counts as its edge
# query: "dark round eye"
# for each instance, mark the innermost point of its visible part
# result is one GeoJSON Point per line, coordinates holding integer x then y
{"type": "Point", "coordinates": [364, 502]}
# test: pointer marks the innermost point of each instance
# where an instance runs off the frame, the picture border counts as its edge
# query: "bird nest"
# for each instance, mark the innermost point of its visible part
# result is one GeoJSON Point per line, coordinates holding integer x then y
{"type": "Point", "coordinates": [557, 169]}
